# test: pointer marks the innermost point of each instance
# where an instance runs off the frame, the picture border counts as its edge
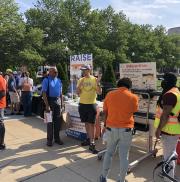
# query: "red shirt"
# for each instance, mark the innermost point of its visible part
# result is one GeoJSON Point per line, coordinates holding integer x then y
{"type": "Point", "coordinates": [2, 88]}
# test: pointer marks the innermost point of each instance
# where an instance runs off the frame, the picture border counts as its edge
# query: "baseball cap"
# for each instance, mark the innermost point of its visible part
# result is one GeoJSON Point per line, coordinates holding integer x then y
{"type": "Point", "coordinates": [85, 67]}
{"type": "Point", "coordinates": [15, 72]}
{"type": "Point", "coordinates": [9, 71]}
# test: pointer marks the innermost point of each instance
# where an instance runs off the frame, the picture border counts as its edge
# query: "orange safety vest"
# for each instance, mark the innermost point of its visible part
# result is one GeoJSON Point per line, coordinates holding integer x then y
{"type": "Point", "coordinates": [173, 125]}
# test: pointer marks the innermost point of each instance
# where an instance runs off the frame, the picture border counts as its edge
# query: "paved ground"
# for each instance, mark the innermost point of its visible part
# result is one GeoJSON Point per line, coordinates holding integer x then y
{"type": "Point", "coordinates": [27, 158]}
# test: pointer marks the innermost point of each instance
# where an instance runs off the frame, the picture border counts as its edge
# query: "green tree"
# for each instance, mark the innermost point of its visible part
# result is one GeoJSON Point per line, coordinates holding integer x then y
{"type": "Point", "coordinates": [31, 55]}
{"type": "Point", "coordinates": [51, 25]}
{"type": "Point", "coordinates": [62, 74]}
{"type": "Point", "coordinates": [109, 76]}
{"type": "Point", "coordinates": [12, 30]}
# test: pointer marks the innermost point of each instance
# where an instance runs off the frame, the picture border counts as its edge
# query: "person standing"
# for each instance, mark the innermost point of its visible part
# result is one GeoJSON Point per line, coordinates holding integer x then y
{"type": "Point", "coordinates": [166, 122]}
{"type": "Point", "coordinates": [2, 106]}
{"type": "Point", "coordinates": [52, 96]}
{"type": "Point", "coordinates": [26, 84]}
{"type": "Point", "coordinates": [119, 106]}
{"type": "Point", "coordinates": [87, 88]}
{"type": "Point", "coordinates": [14, 96]}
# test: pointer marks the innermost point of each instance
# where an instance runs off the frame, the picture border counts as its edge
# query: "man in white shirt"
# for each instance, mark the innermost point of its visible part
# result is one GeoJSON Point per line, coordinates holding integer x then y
{"type": "Point", "coordinates": [26, 84]}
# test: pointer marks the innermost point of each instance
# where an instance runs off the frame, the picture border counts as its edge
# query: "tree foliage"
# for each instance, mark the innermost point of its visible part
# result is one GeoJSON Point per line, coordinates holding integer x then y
{"type": "Point", "coordinates": [109, 76]}
{"type": "Point", "coordinates": [12, 30]}
{"type": "Point", "coordinates": [51, 25]}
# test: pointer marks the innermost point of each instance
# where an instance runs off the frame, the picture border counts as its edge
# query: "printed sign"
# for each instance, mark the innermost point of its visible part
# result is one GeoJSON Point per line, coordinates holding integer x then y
{"type": "Point", "coordinates": [143, 75]}
{"type": "Point", "coordinates": [143, 104]}
{"type": "Point", "coordinates": [77, 61]}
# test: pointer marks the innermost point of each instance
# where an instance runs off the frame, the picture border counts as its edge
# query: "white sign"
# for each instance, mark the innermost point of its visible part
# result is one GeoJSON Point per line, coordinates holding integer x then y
{"type": "Point", "coordinates": [77, 61]}
{"type": "Point", "coordinates": [143, 75]}
{"type": "Point", "coordinates": [143, 104]}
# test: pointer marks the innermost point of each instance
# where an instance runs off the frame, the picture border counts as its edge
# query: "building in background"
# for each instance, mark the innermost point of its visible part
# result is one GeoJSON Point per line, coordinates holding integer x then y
{"type": "Point", "coordinates": [174, 30]}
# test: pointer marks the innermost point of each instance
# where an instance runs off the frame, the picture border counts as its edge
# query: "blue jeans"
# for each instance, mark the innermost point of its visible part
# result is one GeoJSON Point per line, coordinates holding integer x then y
{"type": "Point", "coordinates": [121, 139]}
{"type": "Point", "coordinates": [27, 103]}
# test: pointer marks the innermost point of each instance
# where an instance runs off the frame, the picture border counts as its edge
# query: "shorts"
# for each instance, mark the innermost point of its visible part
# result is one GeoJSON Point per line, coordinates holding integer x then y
{"type": "Point", "coordinates": [14, 97]}
{"type": "Point", "coordinates": [87, 113]}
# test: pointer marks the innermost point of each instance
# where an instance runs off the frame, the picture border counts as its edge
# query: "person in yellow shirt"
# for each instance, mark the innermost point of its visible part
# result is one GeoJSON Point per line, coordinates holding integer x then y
{"type": "Point", "coordinates": [87, 88]}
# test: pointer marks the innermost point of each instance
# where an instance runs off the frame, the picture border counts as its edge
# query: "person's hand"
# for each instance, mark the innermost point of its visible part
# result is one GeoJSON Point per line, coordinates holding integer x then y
{"type": "Point", "coordinates": [48, 109]}
{"type": "Point", "coordinates": [99, 78]}
{"type": "Point", "coordinates": [158, 133]}
{"type": "Point", "coordinates": [103, 130]}
{"type": "Point", "coordinates": [81, 83]}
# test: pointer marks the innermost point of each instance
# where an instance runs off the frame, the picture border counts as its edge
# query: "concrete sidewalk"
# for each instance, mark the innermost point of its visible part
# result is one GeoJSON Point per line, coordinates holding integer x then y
{"type": "Point", "coordinates": [27, 158]}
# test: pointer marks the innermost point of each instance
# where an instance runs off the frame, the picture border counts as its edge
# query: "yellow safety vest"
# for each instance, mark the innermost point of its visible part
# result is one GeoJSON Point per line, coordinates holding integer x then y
{"type": "Point", "coordinates": [173, 125]}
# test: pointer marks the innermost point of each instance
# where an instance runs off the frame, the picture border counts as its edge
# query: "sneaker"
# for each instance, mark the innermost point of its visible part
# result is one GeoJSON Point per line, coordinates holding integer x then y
{"type": "Point", "coordinates": [92, 148]}
{"type": "Point", "coordinates": [2, 146]}
{"type": "Point", "coordinates": [86, 142]}
{"type": "Point", "coordinates": [59, 142]}
{"type": "Point", "coordinates": [49, 144]}
{"type": "Point", "coordinates": [102, 179]}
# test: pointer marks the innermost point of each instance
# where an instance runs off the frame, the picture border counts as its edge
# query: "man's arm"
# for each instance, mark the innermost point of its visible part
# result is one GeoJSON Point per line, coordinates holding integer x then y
{"type": "Point", "coordinates": [105, 110]}
{"type": "Point", "coordinates": [79, 86]}
{"type": "Point", "coordinates": [105, 115]}
{"type": "Point", "coordinates": [163, 119]}
{"type": "Point", "coordinates": [32, 82]}
{"type": "Point", "coordinates": [98, 89]}
{"type": "Point", "coordinates": [61, 96]}
{"type": "Point", "coordinates": [44, 94]}
{"type": "Point", "coordinates": [135, 103]}
{"type": "Point", "coordinates": [13, 85]}
{"type": "Point", "coordinates": [2, 88]}
{"type": "Point", "coordinates": [2, 93]}
{"type": "Point", "coordinates": [46, 101]}
{"type": "Point", "coordinates": [98, 86]}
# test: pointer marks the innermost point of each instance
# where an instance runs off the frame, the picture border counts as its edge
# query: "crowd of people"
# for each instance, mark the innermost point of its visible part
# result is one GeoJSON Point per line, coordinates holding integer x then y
{"type": "Point", "coordinates": [19, 87]}
{"type": "Point", "coordinates": [119, 108]}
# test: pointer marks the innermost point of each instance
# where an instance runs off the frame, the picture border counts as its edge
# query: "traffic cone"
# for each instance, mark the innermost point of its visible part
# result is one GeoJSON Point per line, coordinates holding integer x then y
{"type": "Point", "coordinates": [178, 152]}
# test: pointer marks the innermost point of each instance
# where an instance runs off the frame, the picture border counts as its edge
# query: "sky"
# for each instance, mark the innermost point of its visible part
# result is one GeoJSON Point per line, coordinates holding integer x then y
{"type": "Point", "coordinates": [154, 12]}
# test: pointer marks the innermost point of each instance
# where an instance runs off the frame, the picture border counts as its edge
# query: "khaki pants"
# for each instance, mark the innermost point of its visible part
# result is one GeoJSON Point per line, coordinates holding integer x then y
{"type": "Point", "coordinates": [169, 145]}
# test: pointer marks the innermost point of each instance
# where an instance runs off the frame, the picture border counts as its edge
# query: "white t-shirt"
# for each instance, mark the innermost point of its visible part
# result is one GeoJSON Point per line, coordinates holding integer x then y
{"type": "Point", "coordinates": [26, 80]}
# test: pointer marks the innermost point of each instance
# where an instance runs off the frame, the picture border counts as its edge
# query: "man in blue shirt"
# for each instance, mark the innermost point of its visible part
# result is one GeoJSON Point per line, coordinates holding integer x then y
{"type": "Point", "coordinates": [52, 96]}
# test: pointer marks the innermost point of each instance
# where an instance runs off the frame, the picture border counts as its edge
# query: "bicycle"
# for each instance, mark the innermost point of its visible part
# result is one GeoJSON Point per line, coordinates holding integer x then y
{"type": "Point", "coordinates": [163, 168]}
